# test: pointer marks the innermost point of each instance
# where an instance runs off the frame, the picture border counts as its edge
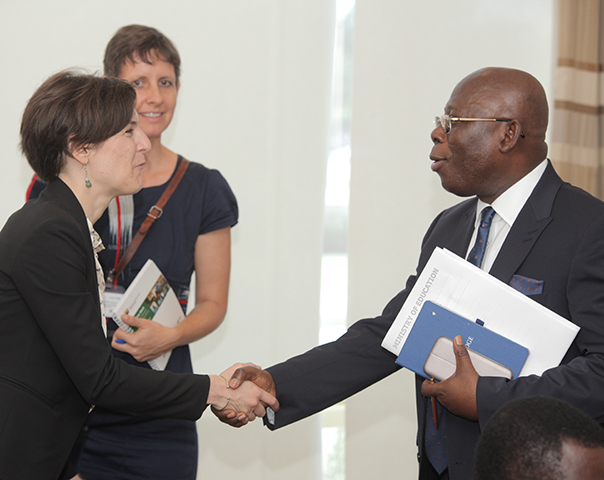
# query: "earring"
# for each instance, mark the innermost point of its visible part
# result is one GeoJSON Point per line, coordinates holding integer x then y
{"type": "Point", "coordinates": [86, 179]}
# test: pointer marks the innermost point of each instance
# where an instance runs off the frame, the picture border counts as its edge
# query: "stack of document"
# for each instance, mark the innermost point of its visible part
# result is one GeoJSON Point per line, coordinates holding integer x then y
{"type": "Point", "coordinates": [457, 285]}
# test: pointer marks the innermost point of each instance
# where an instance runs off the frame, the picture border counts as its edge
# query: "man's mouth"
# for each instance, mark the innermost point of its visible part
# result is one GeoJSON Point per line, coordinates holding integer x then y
{"type": "Point", "coordinates": [436, 163]}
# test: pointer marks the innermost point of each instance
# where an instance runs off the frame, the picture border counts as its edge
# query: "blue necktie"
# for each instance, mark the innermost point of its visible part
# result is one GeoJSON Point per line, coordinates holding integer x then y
{"type": "Point", "coordinates": [477, 253]}
{"type": "Point", "coordinates": [435, 440]}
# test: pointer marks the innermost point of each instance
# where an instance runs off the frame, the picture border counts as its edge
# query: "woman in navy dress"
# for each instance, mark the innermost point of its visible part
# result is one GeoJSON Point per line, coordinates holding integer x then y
{"type": "Point", "coordinates": [192, 235]}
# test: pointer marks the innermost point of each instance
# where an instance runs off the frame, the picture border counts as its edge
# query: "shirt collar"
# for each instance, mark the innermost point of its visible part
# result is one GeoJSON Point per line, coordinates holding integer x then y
{"type": "Point", "coordinates": [509, 203]}
{"type": "Point", "coordinates": [97, 243]}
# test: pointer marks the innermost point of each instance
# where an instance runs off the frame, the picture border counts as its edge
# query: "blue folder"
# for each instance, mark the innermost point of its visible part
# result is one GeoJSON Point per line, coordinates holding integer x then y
{"type": "Point", "coordinates": [435, 321]}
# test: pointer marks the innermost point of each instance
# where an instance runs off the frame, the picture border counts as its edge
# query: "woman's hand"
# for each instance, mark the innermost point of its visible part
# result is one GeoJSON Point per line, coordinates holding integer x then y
{"type": "Point", "coordinates": [248, 399]}
{"type": "Point", "coordinates": [150, 340]}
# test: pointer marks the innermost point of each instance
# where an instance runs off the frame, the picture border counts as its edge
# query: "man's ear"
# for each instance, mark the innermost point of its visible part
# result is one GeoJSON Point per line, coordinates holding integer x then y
{"type": "Point", "coordinates": [512, 134]}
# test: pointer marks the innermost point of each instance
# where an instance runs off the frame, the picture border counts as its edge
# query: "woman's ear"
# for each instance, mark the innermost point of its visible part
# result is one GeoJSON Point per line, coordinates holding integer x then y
{"type": "Point", "coordinates": [80, 153]}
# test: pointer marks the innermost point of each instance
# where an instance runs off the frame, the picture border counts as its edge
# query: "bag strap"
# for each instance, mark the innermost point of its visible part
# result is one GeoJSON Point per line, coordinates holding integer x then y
{"type": "Point", "coordinates": [155, 212]}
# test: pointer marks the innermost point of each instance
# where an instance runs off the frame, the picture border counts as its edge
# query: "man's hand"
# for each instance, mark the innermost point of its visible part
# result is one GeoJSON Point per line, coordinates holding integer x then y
{"type": "Point", "coordinates": [256, 375]}
{"type": "Point", "coordinates": [458, 392]}
{"type": "Point", "coordinates": [250, 373]}
{"type": "Point", "coordinates": [228, 373]}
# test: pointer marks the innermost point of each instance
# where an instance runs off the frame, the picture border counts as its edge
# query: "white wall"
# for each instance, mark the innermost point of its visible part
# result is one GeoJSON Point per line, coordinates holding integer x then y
{"type": "Point", "coordinates": [256, 81]}
{"type": "Point", "coordinates": [255, 86]}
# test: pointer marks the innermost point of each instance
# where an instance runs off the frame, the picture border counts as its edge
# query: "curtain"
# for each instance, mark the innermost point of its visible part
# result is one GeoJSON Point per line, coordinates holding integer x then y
{"type": "Point", "coordinates": [578, 125]}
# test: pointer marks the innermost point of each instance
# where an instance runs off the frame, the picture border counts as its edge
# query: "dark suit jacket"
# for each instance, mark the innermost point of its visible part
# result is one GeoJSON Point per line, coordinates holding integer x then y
{"type": "Point", "coordinates": [54, 359]}
{"type": "Point", "coordinates": [558, 237]}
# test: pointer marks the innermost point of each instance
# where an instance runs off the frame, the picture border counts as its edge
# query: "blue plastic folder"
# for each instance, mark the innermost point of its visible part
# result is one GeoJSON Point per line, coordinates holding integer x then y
{"type": "Point", "coordinates": [434, 321]}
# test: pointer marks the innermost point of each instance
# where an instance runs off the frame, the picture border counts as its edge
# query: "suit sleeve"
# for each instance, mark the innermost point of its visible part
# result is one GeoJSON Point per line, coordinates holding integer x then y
{"type": "Point", "coordinates": [580, 378]}
{"type": "Point", "coordinates": [330, 373]}
{"type": "Point", "coordinates": [52, 273]}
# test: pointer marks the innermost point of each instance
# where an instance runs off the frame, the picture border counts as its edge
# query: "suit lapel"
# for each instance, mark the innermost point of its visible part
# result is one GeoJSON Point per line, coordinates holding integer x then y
{"type": "Point", "coordinates": [532, 220]}
{"type": "Point", "coordinates": [59, 193]}
{"type": "Point", "coordinates": [463, 232]}
{"type": "Point", "coordinates": [460, 235]}
{"type": "Point", "coordinates": [518, 244]}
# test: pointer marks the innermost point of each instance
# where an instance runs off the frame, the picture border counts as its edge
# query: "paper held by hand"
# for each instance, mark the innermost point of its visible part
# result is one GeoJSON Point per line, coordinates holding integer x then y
{"type": "Point", "coordinates": [459, 286]}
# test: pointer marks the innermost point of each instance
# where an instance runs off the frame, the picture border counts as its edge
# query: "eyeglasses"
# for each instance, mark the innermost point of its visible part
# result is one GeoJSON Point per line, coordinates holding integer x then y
{"type": "Point", "coordinates": [445, 121]}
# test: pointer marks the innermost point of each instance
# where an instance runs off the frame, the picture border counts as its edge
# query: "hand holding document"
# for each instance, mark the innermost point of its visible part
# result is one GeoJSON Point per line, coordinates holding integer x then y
{"type": "Point", "coordinates": [455, 284]}
{"type": "Point", "coordinates": [150, 297]}
{"type": "Point", "coordinates": [428, 350]}
{"type": "Point", "coordinates": [457, 393]}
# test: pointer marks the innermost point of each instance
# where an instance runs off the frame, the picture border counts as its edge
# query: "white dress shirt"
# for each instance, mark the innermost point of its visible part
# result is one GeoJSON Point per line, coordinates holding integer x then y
{"type": "Point", "coordinates": [507, 207]}
{"type": "Point", "coordinates": [97, 246]}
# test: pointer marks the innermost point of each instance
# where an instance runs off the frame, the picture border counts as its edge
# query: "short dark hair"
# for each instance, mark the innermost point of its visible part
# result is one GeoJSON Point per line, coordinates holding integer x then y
{"type": "Point", "coordinates": [142, 41]}
{"type": "Point", "coordinates": [71, 110]}
{"type": "Point", "coordinates": [524, 439]}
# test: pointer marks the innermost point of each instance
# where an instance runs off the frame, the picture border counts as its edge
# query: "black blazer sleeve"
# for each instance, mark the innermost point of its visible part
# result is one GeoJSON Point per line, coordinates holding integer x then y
{"type": "Point", "coordinates": [53, 272]}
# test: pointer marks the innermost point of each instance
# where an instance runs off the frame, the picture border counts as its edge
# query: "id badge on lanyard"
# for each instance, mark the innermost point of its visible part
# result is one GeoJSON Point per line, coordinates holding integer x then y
{"type": "Point", "coordinates": [113, 294]}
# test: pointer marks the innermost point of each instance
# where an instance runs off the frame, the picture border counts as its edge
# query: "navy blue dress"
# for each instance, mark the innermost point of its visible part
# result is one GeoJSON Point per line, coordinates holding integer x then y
{"type": "Point", "coordinates": [136, 447]}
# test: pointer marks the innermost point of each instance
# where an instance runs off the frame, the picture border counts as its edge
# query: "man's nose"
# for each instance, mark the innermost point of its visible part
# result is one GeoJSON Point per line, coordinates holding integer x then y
{"type": "Point", "coordinates": [438, 135]}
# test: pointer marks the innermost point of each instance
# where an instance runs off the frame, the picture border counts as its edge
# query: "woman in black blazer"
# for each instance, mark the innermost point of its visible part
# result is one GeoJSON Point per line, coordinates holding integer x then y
{"type": "Point", "coordinates": [80, 134]}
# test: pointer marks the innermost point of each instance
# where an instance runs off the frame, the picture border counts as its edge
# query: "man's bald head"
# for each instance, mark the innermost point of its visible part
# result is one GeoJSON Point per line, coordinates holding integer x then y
{"type": "Point", "coordinates": [485, 158]}
{"type": "Point", "coordinates": [515, 94]}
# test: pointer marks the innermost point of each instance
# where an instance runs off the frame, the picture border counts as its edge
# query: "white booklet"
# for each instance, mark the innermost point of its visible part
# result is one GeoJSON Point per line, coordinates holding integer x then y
{"type": "Point", "coordinates": [150, 296]}
{"type": "Point", "coordinates": [457, 285]}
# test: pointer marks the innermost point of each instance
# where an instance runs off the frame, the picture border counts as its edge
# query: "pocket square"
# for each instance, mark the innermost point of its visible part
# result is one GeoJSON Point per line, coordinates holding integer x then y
{"type": "Point", "coordinates": [527, 286]}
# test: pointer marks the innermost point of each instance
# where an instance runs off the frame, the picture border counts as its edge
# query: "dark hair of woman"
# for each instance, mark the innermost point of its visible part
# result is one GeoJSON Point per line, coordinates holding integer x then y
{"type": "Point", "coordinates": [71, 110]}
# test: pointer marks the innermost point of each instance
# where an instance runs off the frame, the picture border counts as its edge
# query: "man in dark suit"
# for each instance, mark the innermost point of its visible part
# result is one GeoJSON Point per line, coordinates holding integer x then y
{"type": "Point", "coordinates": [489, 145]}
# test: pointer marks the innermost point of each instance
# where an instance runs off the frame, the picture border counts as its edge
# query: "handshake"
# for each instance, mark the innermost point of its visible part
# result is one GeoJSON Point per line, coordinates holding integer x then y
{"type": "Point", "coordinates": [241, 393]}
